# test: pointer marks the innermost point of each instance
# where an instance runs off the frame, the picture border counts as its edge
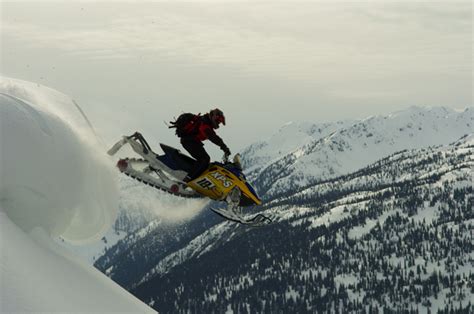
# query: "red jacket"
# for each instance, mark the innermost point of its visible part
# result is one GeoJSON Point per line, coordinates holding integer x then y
{"type": "Point", "coordinates": [202, 130]}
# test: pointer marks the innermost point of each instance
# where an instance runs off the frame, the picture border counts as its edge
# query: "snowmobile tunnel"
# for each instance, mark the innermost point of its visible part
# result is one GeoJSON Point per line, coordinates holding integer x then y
{"type": "Point", "coordinates": [175, 160]}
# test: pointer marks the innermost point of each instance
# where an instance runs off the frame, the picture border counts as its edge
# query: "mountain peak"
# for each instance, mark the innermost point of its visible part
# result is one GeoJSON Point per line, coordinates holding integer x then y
{"type": "Point", "coordinates": [304, 152]}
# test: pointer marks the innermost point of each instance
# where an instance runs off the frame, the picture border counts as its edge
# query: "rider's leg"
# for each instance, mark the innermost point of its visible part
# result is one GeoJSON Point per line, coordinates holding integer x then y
{"type": "Point", "coordinates": [197, 151]}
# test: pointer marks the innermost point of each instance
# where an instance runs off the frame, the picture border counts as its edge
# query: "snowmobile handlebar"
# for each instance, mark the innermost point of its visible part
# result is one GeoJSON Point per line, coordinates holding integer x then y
{"type": "Point", "coordinates": [225, 159]}
{"type": "Point", "coordinates": [235, 161]}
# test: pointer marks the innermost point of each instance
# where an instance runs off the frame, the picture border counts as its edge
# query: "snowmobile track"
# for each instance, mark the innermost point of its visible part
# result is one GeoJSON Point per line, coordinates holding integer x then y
{"type": "Point", "coordinates": [151, 184]}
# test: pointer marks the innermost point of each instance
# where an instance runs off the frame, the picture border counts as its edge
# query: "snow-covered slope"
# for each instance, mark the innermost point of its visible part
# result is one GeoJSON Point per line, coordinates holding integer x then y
{"type": "Point", "coordinates": [56, 181]}
{"type": "Point", "coordinates": [341, 148]}
{"type": "Point", "coordinates": [38, 276]}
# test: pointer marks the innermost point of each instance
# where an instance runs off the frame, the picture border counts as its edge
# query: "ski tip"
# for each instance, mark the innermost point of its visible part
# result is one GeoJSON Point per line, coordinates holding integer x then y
{"type": "Point", "coordinates": [174, 188]}
{"type": "Point", "coordinates": [122, 164]}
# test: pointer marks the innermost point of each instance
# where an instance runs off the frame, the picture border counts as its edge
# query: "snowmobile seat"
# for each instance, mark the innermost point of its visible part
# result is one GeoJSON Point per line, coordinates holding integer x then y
{"type": "Point", "coordinates": [175, 160]}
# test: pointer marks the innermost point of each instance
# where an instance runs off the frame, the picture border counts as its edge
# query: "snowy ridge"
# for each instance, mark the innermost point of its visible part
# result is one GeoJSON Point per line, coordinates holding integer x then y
{"type": "Point", "coordinates": [432, 168]}
{"type": "Point", "coordinates": [351, 147]}
{"type": "Point", "coordinates": [289, 138]}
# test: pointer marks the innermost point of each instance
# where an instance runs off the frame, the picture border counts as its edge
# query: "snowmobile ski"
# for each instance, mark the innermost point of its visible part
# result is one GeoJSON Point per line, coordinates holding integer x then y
{"type": "Point", "coordinates": [257, 221]}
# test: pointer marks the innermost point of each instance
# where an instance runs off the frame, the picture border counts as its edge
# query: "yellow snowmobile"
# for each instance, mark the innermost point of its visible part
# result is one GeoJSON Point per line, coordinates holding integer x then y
{"type": "Point", "coordinates": [220, 182]}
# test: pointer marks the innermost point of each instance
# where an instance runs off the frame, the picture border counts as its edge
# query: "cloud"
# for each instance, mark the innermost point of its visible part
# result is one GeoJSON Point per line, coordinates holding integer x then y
{"type": "Point", "coordinates": [281, 38]}
{"type": "Point", "coordinates": [137, 196]}
{"type": "Point", "coordinates": [439, 16]}
{"type": "Point", "coordinates": [326, 48]}
{"type": "Point", "coordinates": [169, 35]}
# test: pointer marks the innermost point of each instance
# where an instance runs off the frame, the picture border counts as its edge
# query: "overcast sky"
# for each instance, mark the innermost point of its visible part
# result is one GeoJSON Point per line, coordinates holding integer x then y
{"type": "Point", "coordinates": [132, 66]}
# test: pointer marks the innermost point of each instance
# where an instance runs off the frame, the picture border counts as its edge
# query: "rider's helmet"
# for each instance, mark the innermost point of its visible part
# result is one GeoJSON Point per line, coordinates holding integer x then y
{"type": "Point", "coordinates": [216, 116]}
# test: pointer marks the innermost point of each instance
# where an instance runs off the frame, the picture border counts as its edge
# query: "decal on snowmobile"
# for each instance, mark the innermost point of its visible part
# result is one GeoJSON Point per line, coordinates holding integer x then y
{"type": "Point", "coordinates": [205, 183]}
{"type": "Point", "coordinates": [227, 183]}
{"type": "Point", "coordinates": [220, 182]}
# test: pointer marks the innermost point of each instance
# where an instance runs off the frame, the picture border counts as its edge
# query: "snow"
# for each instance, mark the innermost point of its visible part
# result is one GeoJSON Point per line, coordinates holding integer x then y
{"type": "Point", "coordinates": [291, 294]}
{"type": "Point", "coordinates": [427, 214]}
{"type": "Point", "coordinates": [56, 181]}
{"type": "Point", "coordinates": [136, 196]}
{"type": "Point", "coordinates": [335, 214]}
{"type": "Point", "coordinates": [92, 251]}
{"type": "Point", "coordinates": [359, 231]}
{"type": "Point", "coordinates": [345, 279]}
{"type": "Point", "coordinates": [310, 152]}
{"type": "Point", "coordinates": [54, 175]}
{"type": "Point", "coordinates": [290, 139]}
{"type": "Point", "coordinates": [203, 243]}
{"type": "Point", "coordinates": [38, 276]}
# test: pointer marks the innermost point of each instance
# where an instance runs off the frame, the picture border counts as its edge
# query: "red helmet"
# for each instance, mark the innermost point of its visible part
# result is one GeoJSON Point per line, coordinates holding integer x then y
{"type": "Point", "coordinates": [217, 117]}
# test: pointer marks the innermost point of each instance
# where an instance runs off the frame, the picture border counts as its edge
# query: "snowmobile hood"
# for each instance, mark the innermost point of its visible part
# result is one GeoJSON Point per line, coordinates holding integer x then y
{"type": "Point", "coordinates": [219, 180]}
{"type": "Point", "coordinates": [240, 181]}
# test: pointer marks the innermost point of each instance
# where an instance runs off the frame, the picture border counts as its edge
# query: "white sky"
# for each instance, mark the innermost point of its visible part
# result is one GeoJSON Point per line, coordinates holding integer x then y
{"type": "Point", "coordinates": [133, 65]}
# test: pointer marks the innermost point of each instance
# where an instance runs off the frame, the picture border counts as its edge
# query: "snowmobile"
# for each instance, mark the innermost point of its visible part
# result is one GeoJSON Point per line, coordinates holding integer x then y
{"type": "Point", "coordinates": [220, 182]}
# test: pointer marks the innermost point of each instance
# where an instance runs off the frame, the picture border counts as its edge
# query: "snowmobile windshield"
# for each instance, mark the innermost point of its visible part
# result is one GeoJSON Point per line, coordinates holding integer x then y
{"type": "Point", "coordinates": [235, 170]}
{"type": "Point", "coordinates": [238, 172]}
{"type": "Point", "coordinates": [252, 190]}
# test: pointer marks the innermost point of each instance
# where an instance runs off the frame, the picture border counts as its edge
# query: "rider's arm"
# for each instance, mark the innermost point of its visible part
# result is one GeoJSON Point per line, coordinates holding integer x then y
{"type": "Point", "coordinates": [213, 137]}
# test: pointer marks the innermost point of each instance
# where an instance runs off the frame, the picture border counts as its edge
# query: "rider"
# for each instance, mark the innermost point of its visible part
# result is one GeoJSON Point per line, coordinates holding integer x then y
{"type": "Point", "coordinates": [193, 130]}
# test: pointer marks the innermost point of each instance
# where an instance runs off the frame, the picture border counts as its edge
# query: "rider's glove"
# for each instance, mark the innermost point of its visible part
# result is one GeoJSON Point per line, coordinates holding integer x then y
{"type": "Point", "coordinates": [226, 152]}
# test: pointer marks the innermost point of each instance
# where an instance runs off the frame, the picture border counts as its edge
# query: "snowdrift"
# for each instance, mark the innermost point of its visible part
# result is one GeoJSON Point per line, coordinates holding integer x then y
{"type": "Point", "coordinates": [38, 276]}
{"type": "Point", "coordinates": [54, 174]}
{"type": "Point", "coordinates": [55, 180]}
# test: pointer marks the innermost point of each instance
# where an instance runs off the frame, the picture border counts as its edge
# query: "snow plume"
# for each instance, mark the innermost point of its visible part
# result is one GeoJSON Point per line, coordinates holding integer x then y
{"type": "Point", "coordinates": [54, 173]}
{"type": "Point", "coordinates": [137, 196]}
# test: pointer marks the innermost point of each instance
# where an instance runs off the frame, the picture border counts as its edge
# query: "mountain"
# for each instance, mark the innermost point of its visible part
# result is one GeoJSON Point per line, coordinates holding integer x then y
{"type": "Point", "coordinates": [133, 256]}
{"type": "Point", "coordinates": [287, 139]}
{"type": "Point", "coordinates": [393, 235]}
{"type": "Point", "coordinates": [362, 238]}
{"type": "Point", "coordinates": [299, 154]}
{"type": "Point", "coordinates": [313, 153]}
